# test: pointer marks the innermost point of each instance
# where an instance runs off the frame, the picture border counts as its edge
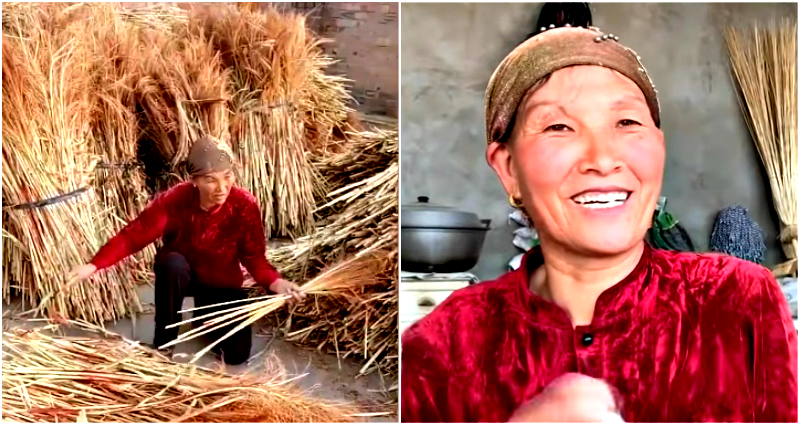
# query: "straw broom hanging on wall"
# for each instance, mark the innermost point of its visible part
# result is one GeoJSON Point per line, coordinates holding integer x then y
{"type": "Point", "coordinates": [764, 62]}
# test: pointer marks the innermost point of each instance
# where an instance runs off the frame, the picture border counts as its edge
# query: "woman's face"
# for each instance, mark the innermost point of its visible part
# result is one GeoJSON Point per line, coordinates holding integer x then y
{"type": "Point", "coordinates": [587, 160]}
{"type": "Point", "coordinates": [215, 187]}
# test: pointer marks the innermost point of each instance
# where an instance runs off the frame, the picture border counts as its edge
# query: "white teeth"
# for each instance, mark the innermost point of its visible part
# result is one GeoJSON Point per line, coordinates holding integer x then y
{"type": "Point", "coordinates": [604, 198]}
{"type": "Point", "coordinates": [599, 206]}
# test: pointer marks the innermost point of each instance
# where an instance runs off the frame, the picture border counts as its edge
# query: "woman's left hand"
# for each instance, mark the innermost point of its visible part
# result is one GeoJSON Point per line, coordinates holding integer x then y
{"type": "Point", "coordinates": [284, 287]}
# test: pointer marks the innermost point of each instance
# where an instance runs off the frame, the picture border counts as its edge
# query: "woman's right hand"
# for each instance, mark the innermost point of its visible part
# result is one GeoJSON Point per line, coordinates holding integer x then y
{"type": "Point", "coordinates": [570, 398]}
{"type": "Point", "coordinates": [82, 273]}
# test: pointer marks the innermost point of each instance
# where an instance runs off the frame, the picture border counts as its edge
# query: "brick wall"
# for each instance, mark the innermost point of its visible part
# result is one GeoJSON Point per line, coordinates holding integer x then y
{"type": "Point", "coordinates": [365, 39]}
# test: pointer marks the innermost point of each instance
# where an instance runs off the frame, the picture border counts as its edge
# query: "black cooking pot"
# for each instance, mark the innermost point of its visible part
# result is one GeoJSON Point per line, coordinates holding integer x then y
{"type": "Point", "coordinates": [439, 239]}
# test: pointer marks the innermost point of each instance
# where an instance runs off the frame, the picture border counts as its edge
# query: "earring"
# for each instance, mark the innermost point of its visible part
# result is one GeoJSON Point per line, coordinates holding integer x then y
{"type": "Point", "coordinates": [514, 202]}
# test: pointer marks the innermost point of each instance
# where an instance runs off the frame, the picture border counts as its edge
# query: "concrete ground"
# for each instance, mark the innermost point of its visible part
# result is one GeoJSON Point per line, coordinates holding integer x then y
{"type": "Point", "coordinates": [325, 376]}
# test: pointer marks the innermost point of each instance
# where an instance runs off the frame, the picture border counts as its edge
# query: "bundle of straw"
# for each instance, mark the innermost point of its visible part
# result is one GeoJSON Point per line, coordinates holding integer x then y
{"type": "Point", "coordinates": [183, 93]}
{"type": "Point", "coordinates": [105, 378]}
{"type": "Point", "coordinates": [764, 61]}
{"type": "Point", "coordinates": [52, 220]}
{"type": "Point", "coordinates": [113, 48]}
{"type": "Point", "coordinates": [271, 57]}
{"type": "Point", "coordinates": [358, 215]}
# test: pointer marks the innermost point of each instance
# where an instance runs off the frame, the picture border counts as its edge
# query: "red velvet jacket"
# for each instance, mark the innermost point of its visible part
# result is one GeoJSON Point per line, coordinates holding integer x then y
{"type": "Point", "coordinates": [214, 242]}
{"type": "Point", "coordinates": [684, 338]}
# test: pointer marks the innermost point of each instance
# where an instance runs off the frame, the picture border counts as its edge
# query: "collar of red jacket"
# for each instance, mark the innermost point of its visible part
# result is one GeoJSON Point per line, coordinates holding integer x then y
{"type": "Point", "coordinates": [615, 303]}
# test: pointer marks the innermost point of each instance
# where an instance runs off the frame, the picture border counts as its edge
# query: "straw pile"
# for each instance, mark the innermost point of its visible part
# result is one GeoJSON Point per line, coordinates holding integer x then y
{"type": "Point", "coordinates": [52, 218]}
{"type": "Point", "coordinates": [360, 216]}
{"type": "Point", "coordinates": [120, 179]}
{"type": "Point", "coordinates": [764, 62]}
{"type": "Point", "coordinates": [48, 378]}
{"type": "Point", "coordinates": [140, 86]}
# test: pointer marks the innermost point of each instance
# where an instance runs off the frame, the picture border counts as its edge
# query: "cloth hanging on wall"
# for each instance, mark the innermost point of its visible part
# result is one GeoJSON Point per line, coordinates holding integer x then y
{"type": "Point", "coordinates": [666, 233]}
{"type": "Point", "coordinates": [736, 233]}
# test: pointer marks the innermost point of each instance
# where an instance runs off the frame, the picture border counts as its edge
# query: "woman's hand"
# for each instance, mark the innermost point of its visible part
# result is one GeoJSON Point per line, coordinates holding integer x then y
{"type": "Point", "coordinates": [284, 287]}
{"type": "Point", "coordinates": [78, 274]}
{"type": "Point", "coordinates": [570, 398]}
{"type": "Point", "coordinates": [82, 272]}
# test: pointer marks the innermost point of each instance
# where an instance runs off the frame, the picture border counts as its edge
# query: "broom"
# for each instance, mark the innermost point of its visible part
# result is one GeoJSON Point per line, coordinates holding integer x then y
{"type": "Point", "coordinates": [764, 62]}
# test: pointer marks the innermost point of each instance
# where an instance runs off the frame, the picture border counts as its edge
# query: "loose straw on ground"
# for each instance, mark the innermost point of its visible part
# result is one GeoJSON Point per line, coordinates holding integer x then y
{"type": "Point", "coordinates": [106, 378]}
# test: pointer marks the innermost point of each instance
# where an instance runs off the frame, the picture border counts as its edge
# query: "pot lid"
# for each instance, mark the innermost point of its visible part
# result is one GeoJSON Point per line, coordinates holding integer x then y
{"type": "Point", "coordinates": [423, 214]}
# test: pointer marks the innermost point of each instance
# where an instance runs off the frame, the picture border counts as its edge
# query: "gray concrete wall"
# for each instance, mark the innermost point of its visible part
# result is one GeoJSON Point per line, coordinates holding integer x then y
{"type": "Point", "coordinates": [450, 50]}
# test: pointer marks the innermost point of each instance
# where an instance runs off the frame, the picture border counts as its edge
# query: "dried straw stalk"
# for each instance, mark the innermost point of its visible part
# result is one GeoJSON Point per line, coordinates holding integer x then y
{"type": "Point", "coordinates": [160, 17]}
{"type": "Point", "coordinates": [47, 152]}
{"type": "Point", "coordinates": [347, 277]}
{"type": "Point", "coordinates": [764, 62]}
{"type": "Point", "coordinates": [113, 47]}
{"type": "Point", "coordinates": [105, 378]}
{"type": "Point", "coordinates": [359, 214]}
{"type": "Point", "coordinates": [266, 53]}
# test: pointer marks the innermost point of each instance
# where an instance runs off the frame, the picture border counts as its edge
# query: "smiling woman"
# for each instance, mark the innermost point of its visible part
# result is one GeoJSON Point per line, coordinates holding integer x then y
{"type": "Point", "coordinates": [595, 324]}
{"type": "Point", "coordinates": [586, 158]}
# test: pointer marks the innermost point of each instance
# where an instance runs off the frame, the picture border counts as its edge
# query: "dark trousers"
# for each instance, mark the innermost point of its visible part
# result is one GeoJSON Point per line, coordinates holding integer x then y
{"type": "Point", "coordinates": [174, 281]}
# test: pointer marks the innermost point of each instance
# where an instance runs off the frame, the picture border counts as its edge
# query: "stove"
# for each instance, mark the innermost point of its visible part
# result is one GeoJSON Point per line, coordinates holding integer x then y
{"type": "Point", "coordinates": [420, 293]}
{"type": "Point", "coordinates": [438, 277]}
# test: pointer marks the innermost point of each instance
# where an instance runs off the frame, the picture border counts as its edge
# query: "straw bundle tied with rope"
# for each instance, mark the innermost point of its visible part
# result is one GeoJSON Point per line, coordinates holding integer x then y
{"type": "Point", "coordinates": [106, 378]}
{"type": "Point", "coordinates": [764, 62]}
{"type": "Point", "coordinates": [52, 217]}
{"type": "Point", "coordinates": [284, 107]}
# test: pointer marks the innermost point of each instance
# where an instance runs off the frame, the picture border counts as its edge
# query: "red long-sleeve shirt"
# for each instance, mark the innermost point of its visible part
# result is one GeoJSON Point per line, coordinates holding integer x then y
{"type": "Point", "coordinates": [213, 242]}
{"type": "Point", "coordinates": [684, 338]}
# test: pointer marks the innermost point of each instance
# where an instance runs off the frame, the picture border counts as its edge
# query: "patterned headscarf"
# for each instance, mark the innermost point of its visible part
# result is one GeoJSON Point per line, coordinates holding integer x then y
{"type": "Point", "coordinates": [548, 52]}
{"type": "Point", "coordinates": [208, 155]}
